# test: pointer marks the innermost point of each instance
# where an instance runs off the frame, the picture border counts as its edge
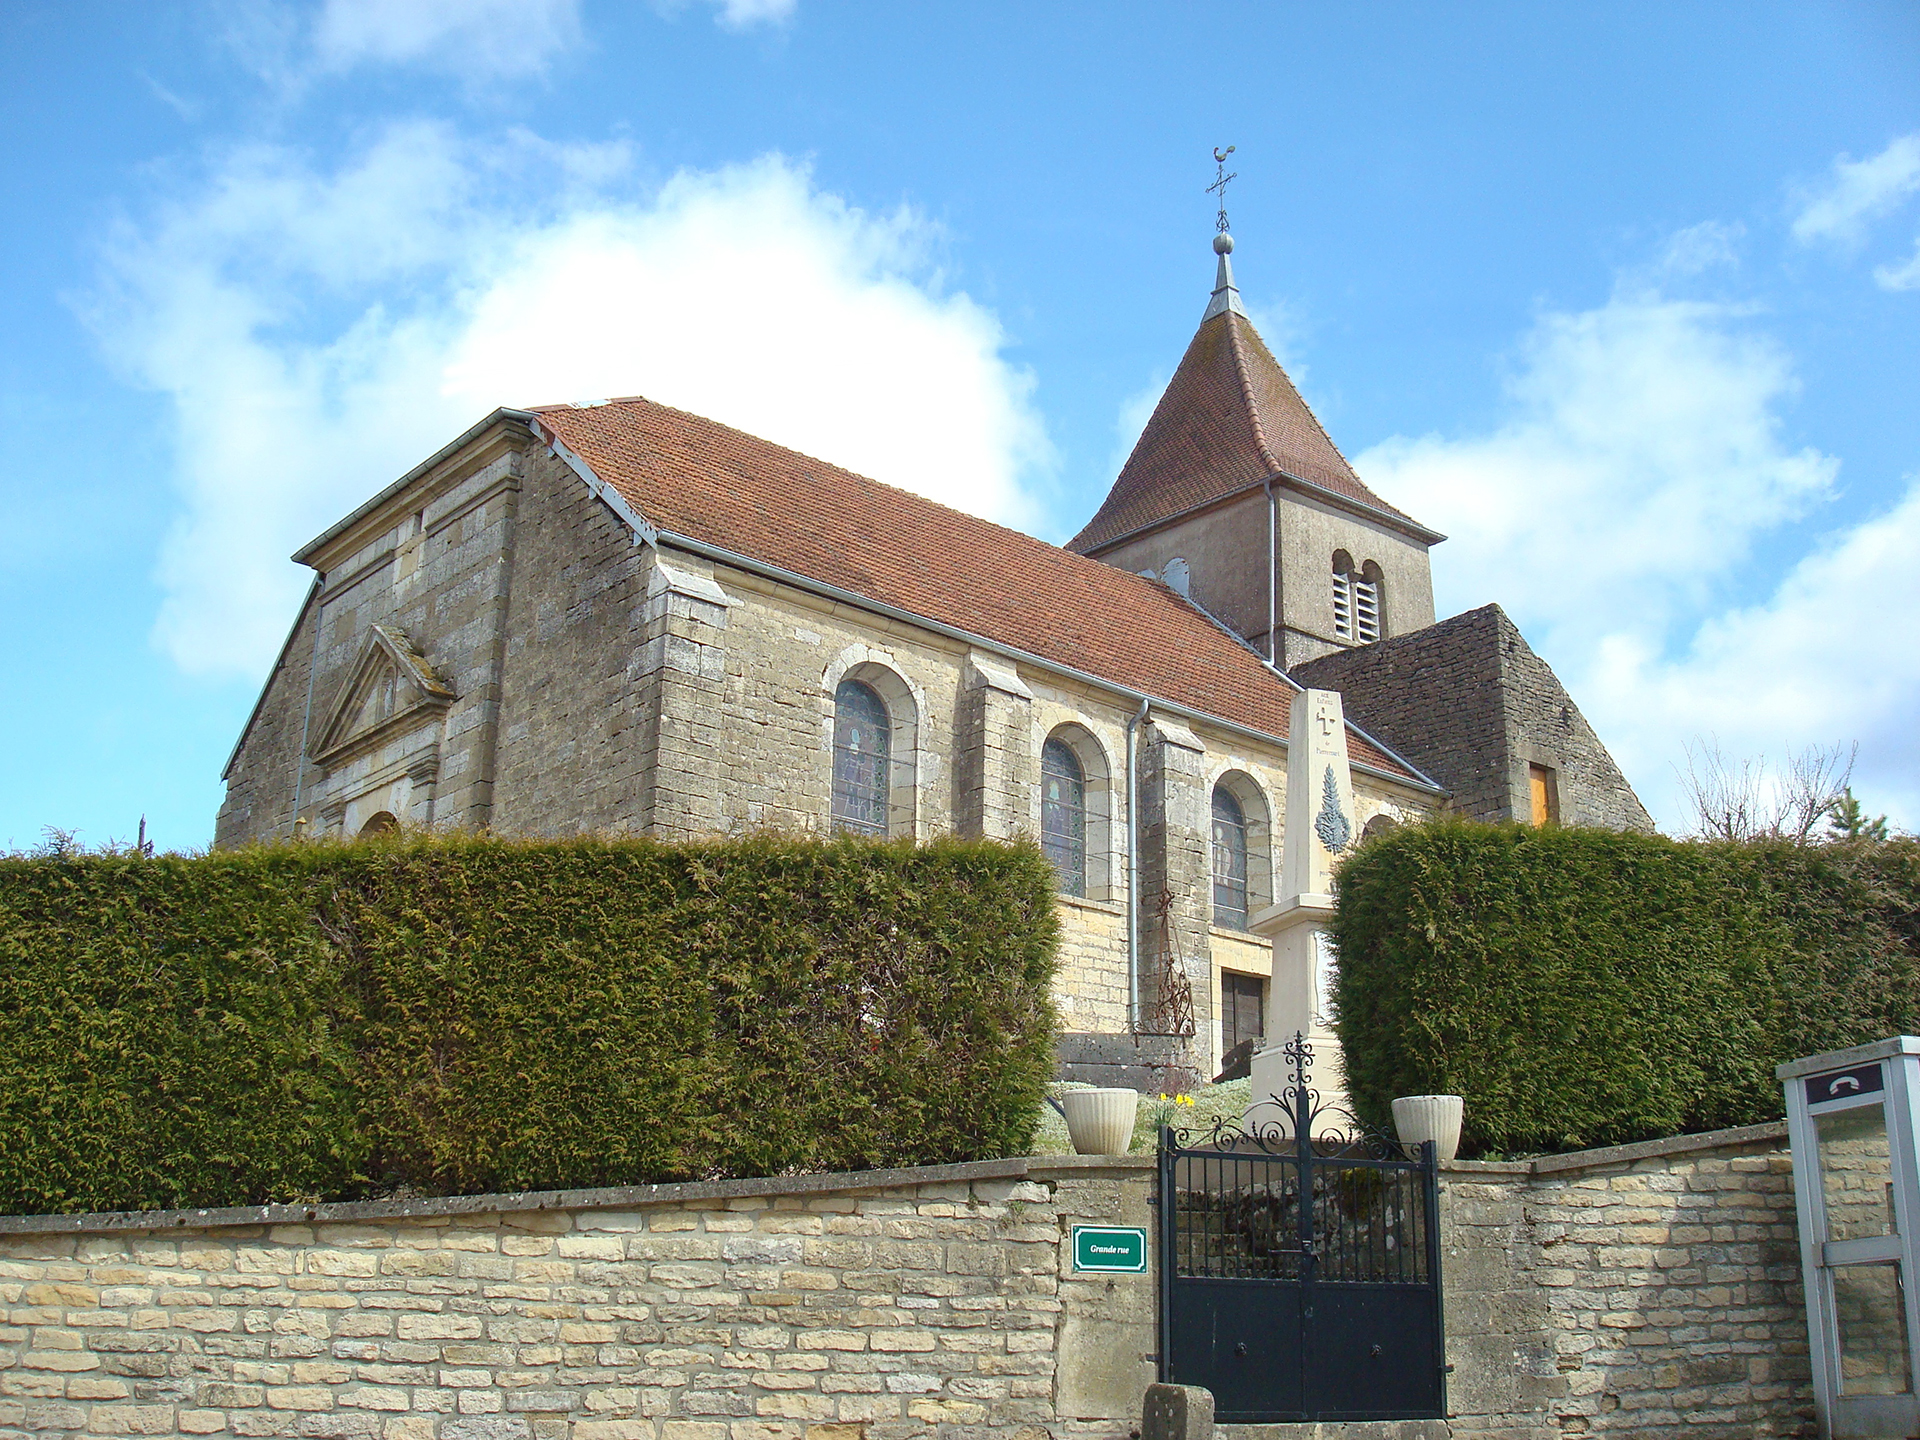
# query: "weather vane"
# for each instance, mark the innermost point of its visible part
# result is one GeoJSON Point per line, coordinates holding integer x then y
{"type": "Point", "coordinates": [1219, 186]}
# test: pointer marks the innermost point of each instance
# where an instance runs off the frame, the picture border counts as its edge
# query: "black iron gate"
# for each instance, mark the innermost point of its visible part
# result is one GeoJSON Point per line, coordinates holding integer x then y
{"type": "Point", "coordinates": [1300, 1268]}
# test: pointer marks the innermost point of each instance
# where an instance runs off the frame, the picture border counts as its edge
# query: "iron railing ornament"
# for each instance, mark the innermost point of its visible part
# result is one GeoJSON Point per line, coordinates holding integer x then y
{"type": "Point", "coordinates": [1332, 1131]}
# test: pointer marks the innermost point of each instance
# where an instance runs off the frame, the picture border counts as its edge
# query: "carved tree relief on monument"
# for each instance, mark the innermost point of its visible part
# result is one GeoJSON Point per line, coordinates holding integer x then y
{"type": "Point", "coordinates": [1331, 825]}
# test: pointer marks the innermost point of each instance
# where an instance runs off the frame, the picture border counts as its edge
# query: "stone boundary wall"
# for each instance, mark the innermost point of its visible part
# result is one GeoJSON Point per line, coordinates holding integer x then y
{"type": "Point", "coordinates": [1650, 1290]}
{"type": "Point", "coordinates": [932, 1302]}
{"type": "Point", "coordinates": [1646, 1290]}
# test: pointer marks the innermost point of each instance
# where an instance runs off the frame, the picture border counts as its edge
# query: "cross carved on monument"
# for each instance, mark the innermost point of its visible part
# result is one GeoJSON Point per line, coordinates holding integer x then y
{"type": "Point", "coordinates": [1323, 717]}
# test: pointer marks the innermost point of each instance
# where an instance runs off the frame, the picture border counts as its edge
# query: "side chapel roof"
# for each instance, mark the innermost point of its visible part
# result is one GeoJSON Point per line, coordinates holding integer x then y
{"type": "Point", "coordinates": [700, 479]}
{"type": "Point", "coordinates": [1230, 419]}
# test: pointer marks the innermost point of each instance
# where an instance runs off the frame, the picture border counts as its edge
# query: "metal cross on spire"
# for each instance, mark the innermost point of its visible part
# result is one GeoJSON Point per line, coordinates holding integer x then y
{"type": "Point", "coordinates": [1219, 186]}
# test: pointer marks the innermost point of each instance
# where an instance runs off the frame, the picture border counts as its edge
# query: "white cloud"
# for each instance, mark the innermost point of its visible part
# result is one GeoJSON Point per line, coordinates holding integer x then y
{"type": "Point", "coordinates": [1642, 459]}
{"type": "Point", "coordinates": [736, 14]}
{"type": "Point", "coordinates": [1904, 276]}
{"type": "Point", "coordinates": [1859, 191]}
{"type": "Point", "coordinates": [740, 14]}
{"type": "Point", "coordinates": [496, 37]}
{"type": "Point", "coordinates": [1828, 658]}
{"type": "Point", "coordinates": [320, 332]}
{"type": "Point", "coordinates": [1707, 246]}
{"type": "Point", "coordinates": [1618, 508]}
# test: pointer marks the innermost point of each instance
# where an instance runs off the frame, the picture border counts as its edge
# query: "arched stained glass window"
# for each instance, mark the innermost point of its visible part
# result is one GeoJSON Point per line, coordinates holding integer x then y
{"type": "Point", "coordinates": [1229, 861]}
{"type": "Point", "coordinates": [1063, 814]}
{"type": "Point", "coordinates": [862, 769]}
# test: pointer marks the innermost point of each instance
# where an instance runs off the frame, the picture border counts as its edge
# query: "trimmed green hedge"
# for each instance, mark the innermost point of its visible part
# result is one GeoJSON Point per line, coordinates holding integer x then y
{"type": "Point", "coordinates": [1587, 987]}
{"type": "Point", "coordinates": [462, 1015]}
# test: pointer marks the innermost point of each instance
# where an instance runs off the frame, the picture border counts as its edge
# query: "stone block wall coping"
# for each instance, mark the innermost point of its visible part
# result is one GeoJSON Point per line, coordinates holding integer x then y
{"type": "Point", "coordinates": [621, 1197]}
{"type": "Point", "coordinates": [1576, 1161]}
{"type": "Point", "coordinates": [626, 1197]}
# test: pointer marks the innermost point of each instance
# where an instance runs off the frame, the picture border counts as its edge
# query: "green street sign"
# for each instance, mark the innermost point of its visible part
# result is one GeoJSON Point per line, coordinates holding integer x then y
{"type": "Point", "coordinates": [1121, 1248]}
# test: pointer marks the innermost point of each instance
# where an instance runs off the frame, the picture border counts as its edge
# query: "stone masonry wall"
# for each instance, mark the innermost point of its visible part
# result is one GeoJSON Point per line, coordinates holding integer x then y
{"type": "Point", "coordinates": [927, 1303]}
{"type": "Point", "coordinates": [1469, 702]}
{"type": "Point", "coordinates": [1434, 696]}
{"type": "Point", "coordinates": [260, 782]}
{"type": "Point", "coordinates": [1647, 1290]}
{"type": "Point", "coordinates": [1545, 727]}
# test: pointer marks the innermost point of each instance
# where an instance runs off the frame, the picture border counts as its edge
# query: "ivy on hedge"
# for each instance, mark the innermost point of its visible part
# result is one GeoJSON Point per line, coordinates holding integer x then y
{"type": "Point", "coordinates": [1587, 987]}
{"type": "Point", "coordinates": [462, 1015]}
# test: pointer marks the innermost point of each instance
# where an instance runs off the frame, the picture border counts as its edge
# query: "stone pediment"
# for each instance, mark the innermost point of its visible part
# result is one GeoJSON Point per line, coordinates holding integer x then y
{"type": "Point", "coordinates": [389, 690]}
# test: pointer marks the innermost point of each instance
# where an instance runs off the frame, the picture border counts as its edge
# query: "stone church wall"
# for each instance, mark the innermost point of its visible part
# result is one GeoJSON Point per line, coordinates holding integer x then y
{"type": "Point", "coordinates": [571, 708]}
{"type": "Point", "coordinates": [1469, 702]}
{"type": "Point", "coordinates": [259, 801]}
{"type": "Point", "coordinates": [603, 684]}
{"type": "Point", "coordinates": [1545, 727]}
{"type": "Point", "coordinates": [436, 562]}
{"type": "Point", "coordinates": [1310, 532]}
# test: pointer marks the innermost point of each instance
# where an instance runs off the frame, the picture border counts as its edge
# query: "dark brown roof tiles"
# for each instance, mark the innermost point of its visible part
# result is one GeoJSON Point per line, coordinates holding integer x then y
{"type": "Point", "coordinates": [1230, 418]}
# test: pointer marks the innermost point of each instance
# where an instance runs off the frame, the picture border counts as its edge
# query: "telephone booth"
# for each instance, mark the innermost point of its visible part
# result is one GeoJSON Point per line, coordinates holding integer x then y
{"type": "Point", "coordinates": [1856, 1181]}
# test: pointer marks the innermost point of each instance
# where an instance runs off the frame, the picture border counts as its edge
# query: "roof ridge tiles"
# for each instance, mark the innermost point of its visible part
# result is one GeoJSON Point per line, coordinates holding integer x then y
{"type": "Point", "coordinates": [1239, 353]}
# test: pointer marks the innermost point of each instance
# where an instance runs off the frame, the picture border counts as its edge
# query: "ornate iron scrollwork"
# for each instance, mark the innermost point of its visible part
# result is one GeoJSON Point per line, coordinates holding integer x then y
{"type": "Point", "coordinates": [1329, 1131]}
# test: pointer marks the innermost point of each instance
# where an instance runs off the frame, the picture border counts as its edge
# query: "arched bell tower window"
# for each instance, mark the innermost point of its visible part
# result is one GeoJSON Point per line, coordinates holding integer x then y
{"type": "Point", "coordinates": [862, 759]}
{"type": "Point", "coordinates": [1356, 599]}
{"type": "Point", "coordinates": [1229, 861]}
{"type": "Point", "coordinates": [1063, 815]}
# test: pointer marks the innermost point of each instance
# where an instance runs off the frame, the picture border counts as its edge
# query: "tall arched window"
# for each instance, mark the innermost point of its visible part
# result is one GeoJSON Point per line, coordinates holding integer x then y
{"type": "Point", "coordinates": [1229, 861]}
{"type": "Point", "coordinates": [1063, 814]}
{"type": "Point", "coordinates": [1356, 599]}
{"type": "Point", "coordinates": [862, 768]}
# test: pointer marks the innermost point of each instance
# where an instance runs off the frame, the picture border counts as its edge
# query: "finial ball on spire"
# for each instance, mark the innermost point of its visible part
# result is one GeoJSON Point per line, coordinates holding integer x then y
{"type": "Point", "coordinates": [1223, 244]}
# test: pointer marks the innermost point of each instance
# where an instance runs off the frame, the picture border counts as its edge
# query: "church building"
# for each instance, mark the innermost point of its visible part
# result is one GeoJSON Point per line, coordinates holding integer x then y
{"type": "Point", "coordinates": [624, 618]}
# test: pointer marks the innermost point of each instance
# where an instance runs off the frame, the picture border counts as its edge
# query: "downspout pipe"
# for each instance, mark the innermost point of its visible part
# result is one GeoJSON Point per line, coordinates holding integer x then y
{"type": "Point", "coordinates": [1133, 867]}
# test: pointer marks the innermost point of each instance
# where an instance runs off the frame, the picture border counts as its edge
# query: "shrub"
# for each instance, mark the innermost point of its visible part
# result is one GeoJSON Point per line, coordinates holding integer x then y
{"type": "Point", "coordinates": [1587, 987]}
{"type": "Point", "coordinates": [459, 1015]}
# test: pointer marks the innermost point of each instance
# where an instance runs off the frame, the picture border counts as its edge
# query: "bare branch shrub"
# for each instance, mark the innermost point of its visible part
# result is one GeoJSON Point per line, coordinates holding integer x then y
{"type": "Point", "coordinates": [1748, 800]}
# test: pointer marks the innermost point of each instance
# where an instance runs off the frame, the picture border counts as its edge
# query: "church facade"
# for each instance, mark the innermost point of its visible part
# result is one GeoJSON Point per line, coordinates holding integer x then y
{"type": "Point", "coordinates": [624, 618]}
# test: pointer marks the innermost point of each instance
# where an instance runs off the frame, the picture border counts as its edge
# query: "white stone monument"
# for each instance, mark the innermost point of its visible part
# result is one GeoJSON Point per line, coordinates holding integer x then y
{"type": "Point", "coordinates": [1320, 827]}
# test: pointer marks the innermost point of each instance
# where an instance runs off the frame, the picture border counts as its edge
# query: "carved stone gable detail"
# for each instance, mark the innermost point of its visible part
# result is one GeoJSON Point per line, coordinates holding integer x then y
{"type": "Point", "coordinates": [389, 689]}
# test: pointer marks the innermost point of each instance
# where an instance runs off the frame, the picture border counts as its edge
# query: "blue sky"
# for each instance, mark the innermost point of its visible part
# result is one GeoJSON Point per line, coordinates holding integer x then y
{"type": "Point", "coordinates": [1625, 299]}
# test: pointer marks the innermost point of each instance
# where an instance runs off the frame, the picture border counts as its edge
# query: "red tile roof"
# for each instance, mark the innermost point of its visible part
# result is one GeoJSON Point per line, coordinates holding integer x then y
{"type": "Point", "coordinates": [1230, 418]}
{"type": "Point", "coordinates": [707, 481]}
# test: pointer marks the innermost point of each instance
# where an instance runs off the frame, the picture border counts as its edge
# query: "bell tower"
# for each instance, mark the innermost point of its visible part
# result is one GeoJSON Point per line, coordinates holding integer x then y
{"type": "Point", "coordinates": [1236, 496]}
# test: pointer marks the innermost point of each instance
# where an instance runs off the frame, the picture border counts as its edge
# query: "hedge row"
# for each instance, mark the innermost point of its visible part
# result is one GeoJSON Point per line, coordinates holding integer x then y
{"type": "Point", "coordinates": [464, 1015]}
{"type": "Point", "coordinates": [1586, 987]}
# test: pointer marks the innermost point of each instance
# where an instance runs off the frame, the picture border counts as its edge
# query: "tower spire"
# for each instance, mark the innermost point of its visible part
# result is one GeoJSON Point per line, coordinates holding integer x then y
{"type": "Point", "coordinates": [1226, 295]}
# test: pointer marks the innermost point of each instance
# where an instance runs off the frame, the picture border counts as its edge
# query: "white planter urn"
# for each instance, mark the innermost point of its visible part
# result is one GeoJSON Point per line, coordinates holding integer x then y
{"type": "Point", "coordinates": [1100, 1122]}
{"type": "Point", "coordinates": [1419, 1118]}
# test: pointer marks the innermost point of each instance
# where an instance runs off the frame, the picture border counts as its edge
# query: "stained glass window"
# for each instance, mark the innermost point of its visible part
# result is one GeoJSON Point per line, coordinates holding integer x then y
{"type": "Point", "coordinates": [1063, 815]}
{"type": "Point", "coordinates": [862, 768]}
{"type": "Point", "coordinates": [1229, 861]}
